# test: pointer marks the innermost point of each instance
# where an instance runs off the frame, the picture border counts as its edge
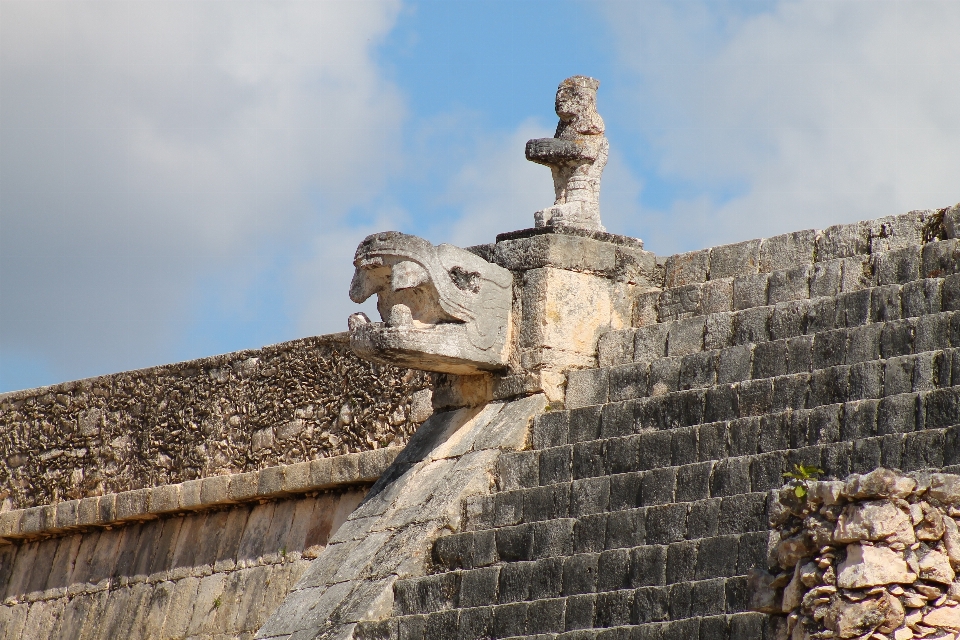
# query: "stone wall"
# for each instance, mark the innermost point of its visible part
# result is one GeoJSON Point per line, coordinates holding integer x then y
{"type": "Point", "coordinates": [871, 556]}
{"type": "Point", "coordinates": [226, 414]}
{"type": "Point", "coordinates": [216, 574]}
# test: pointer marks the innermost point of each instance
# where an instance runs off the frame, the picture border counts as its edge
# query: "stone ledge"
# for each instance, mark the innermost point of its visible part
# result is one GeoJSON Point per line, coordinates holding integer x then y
{"type": "Point", "coordinates": [194, 495]}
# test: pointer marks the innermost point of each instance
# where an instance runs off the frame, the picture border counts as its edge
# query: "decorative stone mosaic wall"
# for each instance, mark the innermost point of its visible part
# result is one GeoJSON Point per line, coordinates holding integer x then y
{"type": "Point", "coordinates": [226, 414]}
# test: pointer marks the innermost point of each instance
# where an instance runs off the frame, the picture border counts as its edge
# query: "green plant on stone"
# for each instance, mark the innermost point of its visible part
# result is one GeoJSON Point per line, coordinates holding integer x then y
{"type": "Point", "coordinates": [217, 602]}
{"type": "Point", "coordinates": [801, 476]}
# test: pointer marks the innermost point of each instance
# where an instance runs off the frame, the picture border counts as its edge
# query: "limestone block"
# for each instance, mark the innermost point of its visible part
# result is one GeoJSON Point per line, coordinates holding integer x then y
{"type": "Point", "coordinates": [511, 428]}
{"type": "Point", "coordinates": [941, 258]}
{"type": "Point", "coordinates": [945, 488]}
{"type": "Point", "coordinates": [843, 240]}
{"type": "Point", "coordinates": [442, 308]}
{"type": "Point", "coordinates": [243, 486]}
{"type": "Point", "coordinates": [372, 464]}
{"type": "Point", "coordinates": [896, 232]}
{"type": "Point", "coordinates": [164, 498]}
{"type": "Point", "coordinates": [67, 514]}
{"type": "Point", "coordinates": [464, 432]}
{"type": "Point", "coordinates": [856, 274]}
{"type": "Point", "coordinates": [452, 391]}
{"type": "Point", "coordinates": [740, 259]}
{"type": "Point", "coordinates": [270, 482]}
{"type": "Point", "coordinates": [880, 483]}
{"type": "Point", "coordinates": [10, 523]}
{"type": "Point", "coordinates": [215, 490]}
{"type": "Point", "coordinates": [205, 605]}
{"type": "Point", "coordinates": [686, 268]}
{"type": "Point", "coordinates": [935, 567]}
{"type": "Point", "coordinates": [951, 221]}
{"type": "Point", "coordinates": [872, 566]}
{"type": "Point", "coordinates": [875, 520]}
{"type": "Point", "coordinates": [564, 315]}
{"type": "Point", "coordinates": [296, 477]}
{"type": "Point", "coordinates": [190, 494]}
{"type": "Point", "coordinates": [787, 251]}
{"type": "Point", "coordinates": [616, 347]}
{"type": "Point", "coordinates": [321, 473]}
{"type": "Point", "coordinates": [43, 620]}
{"type": "Point", "coordinates": [718, 296]}
{"type": "Point", "coordinates": [945, 616]}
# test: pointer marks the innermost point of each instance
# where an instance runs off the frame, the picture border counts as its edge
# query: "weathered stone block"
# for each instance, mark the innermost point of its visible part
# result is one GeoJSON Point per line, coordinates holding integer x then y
{"type": "Point", "coordinates": [826, 278]}
{"type": "Point", "coordinates": [686, 268]}
{"type": "Point", "coordinates": [681, 302]}
{"type": "Point", "coordinates": [750, 291]}
{"type": "Point", "coordinates": [685, 336]}
{"type": "Point", "coordinates": [645, 310]}
{"type": "Point", "coordinates": [67, 514]}
{"type": "Point", "coordinates": [616, 347]}
{"type": "Point", "coordinates": [215, 490]}
{"type": "Point", "coordinates": [840, 241]}
{"type": "Point", "coordinates": [857, 273]}
{"type": "Point", "coordinates": [788, 319]}
{"type": "Point", "coordinates": [10, 523]}
{"type": "Point", "coordinates": [792, 284]}
{"type": "Point", "coordinates": [740, 259]}
{"type": "Point", "coordinates": [717, 296]}
{"type": "Point", "coordinates": [941, 258]}
{"type": "Point", "coordinates": [898, 267]}
{"type": "Point", "coordinates": [164, 498]}
{"type": "Point", "coordinates": [787, 251]}
{"type": "Point", "coordinates": [650, 342]}
{"type": "Point", "coordinates": [132, 504]}
{"type": "Point", "coordinates": [587, 387]}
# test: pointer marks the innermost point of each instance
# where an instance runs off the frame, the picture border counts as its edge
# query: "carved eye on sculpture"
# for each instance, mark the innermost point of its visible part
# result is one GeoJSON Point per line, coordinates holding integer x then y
{"type": "Point", "coordinates": [407, 275]}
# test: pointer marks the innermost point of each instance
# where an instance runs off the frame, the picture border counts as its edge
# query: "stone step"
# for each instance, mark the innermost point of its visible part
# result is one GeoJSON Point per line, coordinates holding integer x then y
{"type": "Point", "coordinates": [763, 323]}
{"type": "Point", "coordinates": [734, 277]}
{"type": "Point", "coordinates": [611, 576]}
{"type": "Point", "coordinates": [607, 616]}
{"type": "Point", "coordinates": [733, 485]}
{"type": "Point", "coordinates": [598, 531]}
{"type": "Point", "coordinates": [883, 358]}
{"type": "Point", "coordinates": [770, 396]}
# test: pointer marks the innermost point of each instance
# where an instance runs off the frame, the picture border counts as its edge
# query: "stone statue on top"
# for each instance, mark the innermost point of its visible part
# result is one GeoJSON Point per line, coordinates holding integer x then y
{"type": "Point", "coordinates": [576, 155]}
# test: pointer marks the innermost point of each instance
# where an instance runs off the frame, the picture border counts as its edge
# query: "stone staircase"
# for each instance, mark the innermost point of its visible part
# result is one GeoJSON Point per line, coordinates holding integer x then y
{"type": "Point", "coordinates": [642, 504]}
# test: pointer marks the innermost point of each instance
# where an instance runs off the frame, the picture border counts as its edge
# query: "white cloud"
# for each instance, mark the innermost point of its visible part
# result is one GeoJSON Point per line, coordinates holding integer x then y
{"type": "Point", "coordinates": [145, 145]}
{"type": "Point", "coordinates": [814, 113]}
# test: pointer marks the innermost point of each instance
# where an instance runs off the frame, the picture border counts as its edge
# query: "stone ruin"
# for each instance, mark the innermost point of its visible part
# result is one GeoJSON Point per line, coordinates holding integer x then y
{"type": "Point", "coordinates": [872, 557]}
{"type": "Point", "coordinates": [558, 435]}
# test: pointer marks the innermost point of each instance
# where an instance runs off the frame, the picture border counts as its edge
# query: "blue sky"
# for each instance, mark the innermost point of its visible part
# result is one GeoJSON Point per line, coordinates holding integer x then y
{"type": "Point", "coordinates": [179, 179]}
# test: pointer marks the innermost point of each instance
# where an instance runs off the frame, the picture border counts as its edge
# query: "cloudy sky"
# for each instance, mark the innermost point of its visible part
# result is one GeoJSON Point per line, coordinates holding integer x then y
{"type": "Point", "coordinates": [179, 179]}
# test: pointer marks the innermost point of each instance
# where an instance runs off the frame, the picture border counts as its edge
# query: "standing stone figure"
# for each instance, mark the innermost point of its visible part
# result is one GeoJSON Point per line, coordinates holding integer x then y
{"type": "Point", "coordinates": [576, 155]}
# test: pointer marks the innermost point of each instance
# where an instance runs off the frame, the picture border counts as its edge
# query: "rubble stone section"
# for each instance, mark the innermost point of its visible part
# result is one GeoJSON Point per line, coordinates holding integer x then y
{"type": "Point", "coordinates": [205, 576]}
{"type": "Point", "coordinates": [227, 414]}
{"type": "Point", "coordinates": [452, 457]}
{"type": "Point", "coordinates": [874, 556]}
{"type": "Point", "coordinates": [643, 504]}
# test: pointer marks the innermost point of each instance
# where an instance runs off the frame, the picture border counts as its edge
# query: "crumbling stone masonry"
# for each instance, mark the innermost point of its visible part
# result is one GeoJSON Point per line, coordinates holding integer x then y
{"type": "Point", "coordinates": [870, 557]}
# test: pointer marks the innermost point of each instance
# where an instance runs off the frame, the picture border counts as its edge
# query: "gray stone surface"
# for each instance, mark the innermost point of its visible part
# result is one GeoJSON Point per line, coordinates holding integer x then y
{"type": "Point", "coordinates": [390, 536]}
{"type": "Point", "coordinates": [196, 419]}
{"type": "Point", "coordinates": [576, 156]}
{"type": "Point", "coordinates": [167, 578]}
{"type": "Point", "coordinates": [442, 308]}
